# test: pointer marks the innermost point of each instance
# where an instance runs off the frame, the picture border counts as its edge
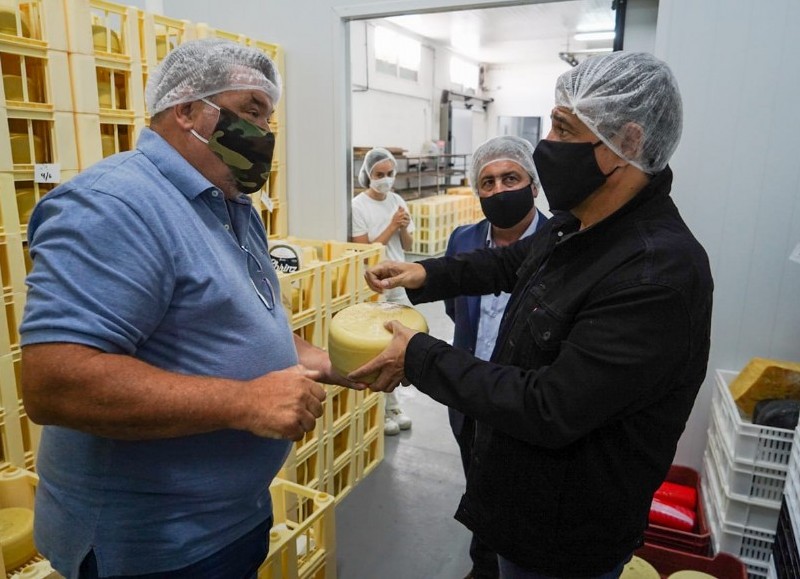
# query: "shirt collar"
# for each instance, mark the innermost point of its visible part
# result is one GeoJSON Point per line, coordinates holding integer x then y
{"type": "Point", "coordinates": [529, 231]}
{"type": "Point", "coordinates": [175, 168]}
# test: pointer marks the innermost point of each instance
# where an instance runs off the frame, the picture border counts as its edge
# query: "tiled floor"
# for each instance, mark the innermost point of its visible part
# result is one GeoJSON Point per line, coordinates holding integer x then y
{"type": "Point", "coordinates": [398, 523]}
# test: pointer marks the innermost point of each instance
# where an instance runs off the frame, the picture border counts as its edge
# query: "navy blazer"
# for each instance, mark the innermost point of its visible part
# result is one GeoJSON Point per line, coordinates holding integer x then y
{"type": "Point", "coordinates": [465, 311]}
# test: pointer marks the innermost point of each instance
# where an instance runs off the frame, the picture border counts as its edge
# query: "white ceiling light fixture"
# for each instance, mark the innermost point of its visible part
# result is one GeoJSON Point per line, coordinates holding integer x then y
{"type": "Point", "coordinates": [601, 35]}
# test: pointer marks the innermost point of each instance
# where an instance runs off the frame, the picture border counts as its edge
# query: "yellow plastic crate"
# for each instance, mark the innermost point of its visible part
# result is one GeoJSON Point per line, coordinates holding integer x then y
{"type": "Point", "coordinates": [367, 255]}
{"type": "Point", "coordinates": [37, 137]}
{"type": "Point", "coordinates": [339, 408]}
{"type": "Point", "coordinates": [17, 489]}
{"type": "Point", "coordinates": [369, 416]}
{"type": "Point", "coordinates": [308, 466]}
{"type": "Point", "coordinates": [206, 31]}
{"type": "Point", "coordinates": [107, 88]}
{"type": "Point", "coordinates": [12, 265]}
{"type": "Point", "coordinates": [342, 441]}
{"type": "Point", "coordinates": [303, 538]}
{"type": "Point", "coordinates": [369, 455]}
{"type": "Point", "coordinates": [301, 294]}
{"type": "Point", "coordinates": [275, 221]}
{"type": "Point", "coordinates": [158, 35]}
{"type": "Point", "coordinates": [14, 307]}
{"type": "Point", "coordinates": [9, 220]}
{"type": "Point", "coordinates": [271, 50]}
{"type": "Point", "coordinates": [34, 79]}
{"type": "Point", "coordinates": [341, 282]}
{"type": "Point", "coordinates": [343, 477]}
{"type": "Point", "coordinates": [106, 30]}
{"type": "Point", "coordinates": [33, 24]}
{"type": "Point", "coordinates": [20, 195]}
{"type": "Point", "coordinates": [13, 445]}
{"type": "Point", "coordinates": [316, 332]}
{"type": "Point", "coordinates": [35, 570]}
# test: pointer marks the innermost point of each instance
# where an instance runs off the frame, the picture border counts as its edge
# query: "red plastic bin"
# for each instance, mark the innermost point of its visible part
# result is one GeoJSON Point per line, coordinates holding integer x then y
{"type": "Point", "coordinates": [698, 541]}
{"type": "Point", "coordinates": [668, 561]}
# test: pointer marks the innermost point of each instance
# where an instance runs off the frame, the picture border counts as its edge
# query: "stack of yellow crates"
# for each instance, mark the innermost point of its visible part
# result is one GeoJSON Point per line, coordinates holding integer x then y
{"type": "Point", "coordinates": [436, 217]}
{"type": "Point", "coordinates": [347, 442]}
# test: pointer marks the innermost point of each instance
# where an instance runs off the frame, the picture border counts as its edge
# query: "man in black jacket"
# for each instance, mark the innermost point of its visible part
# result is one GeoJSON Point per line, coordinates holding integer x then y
{"type": "Point", "coordinates": [604, 343]}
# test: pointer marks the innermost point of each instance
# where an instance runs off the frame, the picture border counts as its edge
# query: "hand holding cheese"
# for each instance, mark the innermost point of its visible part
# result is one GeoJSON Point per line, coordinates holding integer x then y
{"type": "Point", "coordinates": [369, 341]}
{"type": "Point", "coordinates": [392, 274]}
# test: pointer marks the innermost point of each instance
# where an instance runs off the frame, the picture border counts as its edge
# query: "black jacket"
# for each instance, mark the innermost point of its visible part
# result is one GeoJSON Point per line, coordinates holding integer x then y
{"type": "Point", "coordinates": [602, 349]}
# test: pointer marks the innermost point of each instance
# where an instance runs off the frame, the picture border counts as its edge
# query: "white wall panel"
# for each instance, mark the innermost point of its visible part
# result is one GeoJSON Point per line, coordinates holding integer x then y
{"type": "Point", "coordinates": [737, 181]}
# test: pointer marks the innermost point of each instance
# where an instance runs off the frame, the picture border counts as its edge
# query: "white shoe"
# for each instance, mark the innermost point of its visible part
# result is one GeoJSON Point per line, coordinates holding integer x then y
{"type": "Point", "coordinates": [401, 418]}
{"type": "Point", "coordinates": [390, 427]}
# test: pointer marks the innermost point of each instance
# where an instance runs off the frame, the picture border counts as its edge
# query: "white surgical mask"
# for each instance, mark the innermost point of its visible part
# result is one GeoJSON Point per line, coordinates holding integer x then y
{"type": "Point", "coordinates": [382, 185]}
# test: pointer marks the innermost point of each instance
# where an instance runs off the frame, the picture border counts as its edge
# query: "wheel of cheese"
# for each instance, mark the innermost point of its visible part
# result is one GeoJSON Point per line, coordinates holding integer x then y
{"type": "Point", "coordinates": [691, 575]}
{"type": "Point", "coordinates": [357, 334]}
{"type": "Point", "coordinates": [638, 568]}
{"type": "Point", "coordinates": [16, 536]}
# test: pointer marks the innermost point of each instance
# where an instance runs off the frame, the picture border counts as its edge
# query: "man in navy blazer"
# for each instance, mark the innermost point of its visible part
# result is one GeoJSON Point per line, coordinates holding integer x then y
{"type": "Point", "coordinates": [503, 176]}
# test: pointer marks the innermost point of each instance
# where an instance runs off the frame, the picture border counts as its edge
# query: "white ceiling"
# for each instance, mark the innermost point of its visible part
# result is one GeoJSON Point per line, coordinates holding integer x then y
{"type": "Point", "coordinates": [523, 33]}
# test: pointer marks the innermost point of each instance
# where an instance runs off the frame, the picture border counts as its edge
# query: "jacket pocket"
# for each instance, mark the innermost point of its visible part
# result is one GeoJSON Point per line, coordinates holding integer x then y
{"type": "Point", "coordinates": [546, 330]}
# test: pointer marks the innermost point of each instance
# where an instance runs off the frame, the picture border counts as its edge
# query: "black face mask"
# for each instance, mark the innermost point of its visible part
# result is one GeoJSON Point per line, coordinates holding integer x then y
{"type": "Point", "coordinates": [508, 208]}
{"type": "Point", "coordinates": [568, 171]}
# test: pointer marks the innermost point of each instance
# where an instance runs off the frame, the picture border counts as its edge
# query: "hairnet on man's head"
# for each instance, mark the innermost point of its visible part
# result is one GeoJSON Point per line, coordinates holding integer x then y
{"type": "Point", "coordinates": [201, 68]}
{"type": "Point", "coordinates": [610, 91]}
{"type": "Point", "coordinates": [504, 148]}
{"type": "Point", "coordinates": [372, 158]}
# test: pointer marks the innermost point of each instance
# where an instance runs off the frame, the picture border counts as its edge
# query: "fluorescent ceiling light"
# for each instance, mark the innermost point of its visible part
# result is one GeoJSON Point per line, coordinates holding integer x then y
{"type": "Point", "coordinates": [606, 35]}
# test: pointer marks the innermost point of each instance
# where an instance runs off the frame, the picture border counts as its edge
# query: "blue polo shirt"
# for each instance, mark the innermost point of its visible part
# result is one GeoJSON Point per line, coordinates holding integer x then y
{"type": "Point", "coordinates": [141, 255]}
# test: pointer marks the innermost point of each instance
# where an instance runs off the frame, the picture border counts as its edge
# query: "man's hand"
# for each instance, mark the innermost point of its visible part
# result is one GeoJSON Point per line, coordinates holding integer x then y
{"type": "Point", "coordinates": [391, 274]}
{"type": "Point", "coordinates": [284, 404]}
{"type": "Point", "coordinates": [390, 363]}
{"type": "Point", "coordinates": [314, 358]}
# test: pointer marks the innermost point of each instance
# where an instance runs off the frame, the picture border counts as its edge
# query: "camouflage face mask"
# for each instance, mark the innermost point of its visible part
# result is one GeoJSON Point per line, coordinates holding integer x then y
{"type": "Point", "coordinates": [244, 147]}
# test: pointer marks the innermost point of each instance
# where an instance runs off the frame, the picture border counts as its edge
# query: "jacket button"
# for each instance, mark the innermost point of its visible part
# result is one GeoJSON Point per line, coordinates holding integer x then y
{"type": "Point", "coordinates": [546, 335]}
{"type": "Point", "coordinates": [542, 286]}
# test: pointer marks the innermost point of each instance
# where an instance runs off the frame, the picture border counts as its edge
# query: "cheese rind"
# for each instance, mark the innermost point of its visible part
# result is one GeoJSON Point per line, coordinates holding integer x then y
{"type": "Point", "coordinates": [638, 568]}
{"type": "Point", "coordinates": [765, 379]}
{"type": "Point", "coordinates": [357, 333]}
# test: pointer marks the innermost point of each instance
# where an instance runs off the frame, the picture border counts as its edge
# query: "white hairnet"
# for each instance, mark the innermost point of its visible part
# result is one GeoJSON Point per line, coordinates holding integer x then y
{"type": "Point", "coordinates": [373, 157]}
{"type": "Point", "coordinates": [607, 92]}
{"type": "Point", "coordinates": [201, 68]}
{"type": "Point", "coordinates": [505, 148]}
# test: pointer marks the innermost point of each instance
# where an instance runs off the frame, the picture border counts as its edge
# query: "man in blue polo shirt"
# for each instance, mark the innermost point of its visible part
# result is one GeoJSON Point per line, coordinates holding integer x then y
{"type": "Point", "coordinates": [155, 347]}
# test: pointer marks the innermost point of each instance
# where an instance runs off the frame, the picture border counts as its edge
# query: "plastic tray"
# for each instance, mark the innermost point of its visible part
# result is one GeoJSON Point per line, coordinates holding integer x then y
{"type": "Point", "coordinates": [668, 561]}
{"type": "Point", "coordinates": [752, 545]}
{"type": "Point", "coordinates": [737, 509]}
{"type": "Point", "coordinates": [302, 544]}
{"type": "Point", "coordinates": [744, 481]}
{"type": "Point", "coordinates": [697, 541]}
{"type": "Point", "coordinates": [748, 442]}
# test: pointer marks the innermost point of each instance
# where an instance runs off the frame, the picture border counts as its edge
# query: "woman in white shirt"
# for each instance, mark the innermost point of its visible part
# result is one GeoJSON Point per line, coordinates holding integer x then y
{"type": "Point", "coordinates": [381, 216]}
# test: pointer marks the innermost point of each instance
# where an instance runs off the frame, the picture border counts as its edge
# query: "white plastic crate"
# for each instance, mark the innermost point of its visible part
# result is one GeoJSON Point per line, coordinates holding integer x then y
{"type": "Point", "coordinates": [756, 569]}
{"type": "Point", "coordinates": [747, 442]}
{"type": "Point", "coordinates": [771, 572]}
{"type": "Point", "coordinates": [792, 505]}
{"type": "Point", "coordinates": [738, 510]}
{"type": "Point", "coordinates": [742, 480]}
{"type": "Point", "coordinates": [753, 545]}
